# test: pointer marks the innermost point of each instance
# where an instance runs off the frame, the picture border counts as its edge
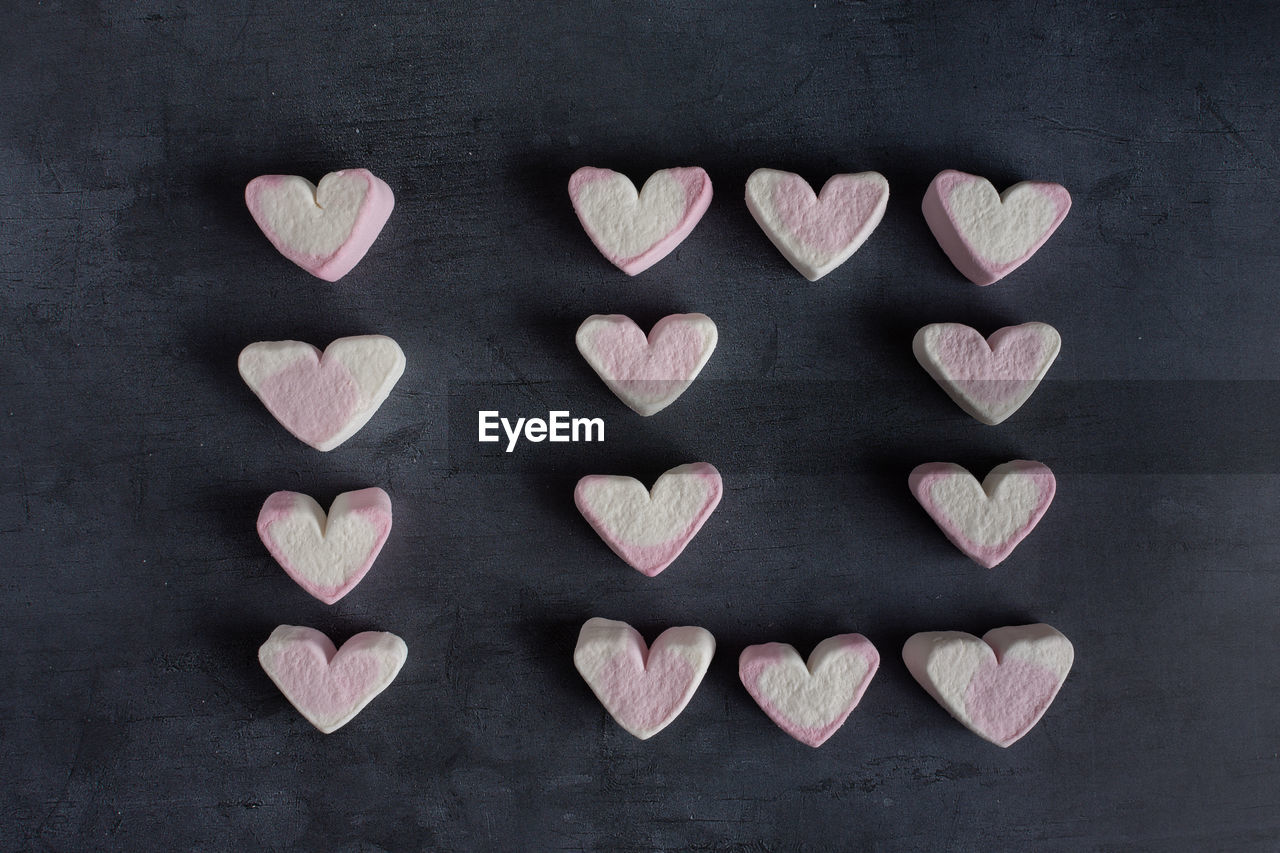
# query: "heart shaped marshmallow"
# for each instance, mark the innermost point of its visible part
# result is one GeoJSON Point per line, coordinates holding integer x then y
{"type": "Point", "coordinates": [326, 555]}
{"type": "Point", "coordinates": [649, 529]}
{"type": "Point", "coordinates": [817, 233]}
{"type": "Point", "coordinates": [986, 521]}
{"type": "Point", "coordinates": [329, 686]}
{"type": "Point", "coordinates": [809, 702]}
{"type": "Point", "coordinates": [998, 686]}
{"type": "Point", "coordinates": [635, 231]}
{"type": "Point", "coordinates": [647, 374]}
{"type": "Point", "coordinates": [324, 229]}
{"type": "Point", "coordinates": [986, 234]}
{"type": "Point", "coordinates": [323, 399]}
{"type": "Point", "coordinates": [644, 689]}
{"type": "Point", "coordinates": [990, 379]}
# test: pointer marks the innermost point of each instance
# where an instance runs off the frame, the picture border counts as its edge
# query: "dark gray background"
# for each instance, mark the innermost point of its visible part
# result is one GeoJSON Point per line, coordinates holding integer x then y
{"type": "Point", "coordinates": [135, 715]}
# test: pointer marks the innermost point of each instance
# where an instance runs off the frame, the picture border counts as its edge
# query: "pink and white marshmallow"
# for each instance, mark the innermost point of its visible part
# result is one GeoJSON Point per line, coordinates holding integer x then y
{"type": "Point", "coordinates": [817, 233]}
{"type": "Point", "coordinates": [326, 229]}
{"type": "Point", "coordinates": [643, 688]}
{"type": "Point", "coordinates": [990, 379]}
{"type": "Point", "coordinates": [636, 230]}
{"type": "Point", "coordinates": [327, 685]}
{"type": "Point", "coordinates": [998, 686]}
{"type": "Point", "coordinates": [327, 555]}
{"type": "Point", "coordinates": [809, 701]}
{"type": "Point", "coordinates": [647, 373]}
{"type": "Point", "coordinates": [985, 520]}
{"type": "Point", "coordinates": [323, 398]}
{"type": "Point", "coordinates": [650, 528]}
{"type": "Point", "coordinates": [986, 234]}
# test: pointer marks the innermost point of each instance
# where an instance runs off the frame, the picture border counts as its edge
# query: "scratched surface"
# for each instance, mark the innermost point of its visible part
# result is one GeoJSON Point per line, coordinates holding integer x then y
{"type": "Point", "coordinates": [133, 714]}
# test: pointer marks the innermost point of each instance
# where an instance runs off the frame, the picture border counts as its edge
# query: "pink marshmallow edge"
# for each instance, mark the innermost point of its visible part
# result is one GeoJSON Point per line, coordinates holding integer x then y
{"type": "Point", "coordinates": [697, 186]}
{"type": "Point", "coordinates": [650, 560]}
{"type": "Point", "coordinates": [669, 353]}
{"type": "Point", "coordinates": [840, 217]}
{"type": "Point", "coordinates": [1005, 698]}
{"type": "Point", "coordinates": [921, 482]}
{"type": "Point", "coordinates": [991, 371]}
{"type": "Point", "coordinates": [645, 372]}
{"type": "Point", "coordinates": [329, 686]}
{"type": "Point", "coordinates": [313, 398]}
{"type": "Point", "coordinates": [755, 660]}
{"type": "Point", "coordinates": [963, 254]}
{"type": "Point", "coordinates": [374, 212]}
{"type": "Point", "coordinates": [646, 687]}
{"type": "Point", "coordinates": [835, 217]}
{"type": "Point", "coordinates": [372, 503]}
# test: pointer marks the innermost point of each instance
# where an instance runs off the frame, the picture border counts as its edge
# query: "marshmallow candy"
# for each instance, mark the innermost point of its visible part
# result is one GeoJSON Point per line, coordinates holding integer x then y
{"type": "Point", "coordinates": [649, 529]}
{"type": "Point", "coordinates": [644, 689]}
{"type": "Point", "coordinates": [986, 234]}
{"type": "Point", "coordinates": [329, 686]}
{"type": "Point", "coordinates": [647, 374]}
{"type": "Point", "coordinates": [636, 231]}
{"type": "Point", "coordinates": [326, 556]}
{"type": "Point", "coordinates": [324, 229]}
{"type": "Point", "coordinates": [817, 233]}
{"type": "Point", "coordinates": [984, 521]}
{"type": "Point", "coordinates": [990, 379]}
{"type": "Point", "coordinates": [809, 702]}
{"type": "Point", "coordinates": [323, 399]}
{"type": "Point", "coordinates": [998, 687]}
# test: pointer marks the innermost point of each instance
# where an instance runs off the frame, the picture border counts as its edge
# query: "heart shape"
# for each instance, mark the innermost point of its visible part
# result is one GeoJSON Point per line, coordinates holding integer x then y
{"type": "Point", "coordinates": [324, 229]}
{"type": "Point", "coordinates": [649, 529]}
{"type": "Point", "coordinates": [643, 688]}
{"type": "Point", "coordinates": [323, 399]}
{"type": "Point", "coordinates": [998, 686]}
{"type": "Point", "coordinates": [329, 686]}
{"type": "Point", "coordinates": [809, 702]}
{"type": "Point", "coordinates": [990, 379]}
{"type": "Point", "coordinates": [984, 521]}
{"type": "Point", "coordinates": [817, 233]}
{"type": "Point", "coordinates": [636, 230]}
{"type": "Point", "coordinates": [647, 374]}
{"type": "Point", "coordinates": [326, 555]}
{"type": "Point", "coordinates": [986, 234]}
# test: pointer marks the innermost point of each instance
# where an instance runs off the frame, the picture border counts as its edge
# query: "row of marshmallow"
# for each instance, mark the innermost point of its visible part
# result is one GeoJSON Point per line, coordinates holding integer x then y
{"type": "Point", "coordinates": [989, 378]}
{"type": "Point", "coordinates": [986, 234]}
{"type": "Point", "coordinates": [650, 528]}
{"type": "Point", "coordinates": [326, 229]}
{"type": "Point", "coordinates": [999, 685]}
{"type": "Point", "coordinates": [324, 398]}
{"type": "Point", "coordinates": [328, 554]}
